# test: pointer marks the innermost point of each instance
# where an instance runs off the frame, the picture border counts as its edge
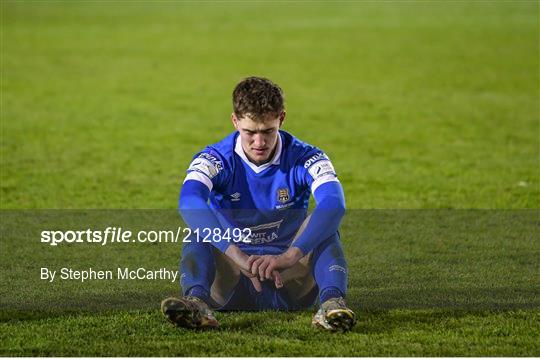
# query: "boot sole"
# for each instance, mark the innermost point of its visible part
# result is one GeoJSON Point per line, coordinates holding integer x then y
{"type": "Point", "coordinates": [180, 314]}
{"type": "Point", "coordinates": [341, 319]}
{"type": "Point", "coordinates": [337, 320]}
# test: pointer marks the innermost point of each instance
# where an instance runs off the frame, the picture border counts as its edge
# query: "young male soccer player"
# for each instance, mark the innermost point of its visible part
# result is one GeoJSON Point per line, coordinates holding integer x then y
{"type": "Point", "coordinates": [257, 181]}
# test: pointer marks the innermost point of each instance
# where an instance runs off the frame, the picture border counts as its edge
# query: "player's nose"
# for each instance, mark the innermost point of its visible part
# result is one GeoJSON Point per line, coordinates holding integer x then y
{"type": "Point", "coordinates": [258, 140]}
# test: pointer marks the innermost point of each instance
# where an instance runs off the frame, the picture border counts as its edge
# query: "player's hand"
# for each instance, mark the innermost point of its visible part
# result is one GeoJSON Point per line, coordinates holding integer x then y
{"type": "Point", "coordinates": [273, 275]}
{"type": "Point", "coordinates": [265, 266]}
{"type": "Point", "coordinates": [276, 277]}
{"type": "Point", "coordinates": [241, 259]}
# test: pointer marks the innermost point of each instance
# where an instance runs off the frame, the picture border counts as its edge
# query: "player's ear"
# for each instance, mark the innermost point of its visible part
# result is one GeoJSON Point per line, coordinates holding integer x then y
{"type": "Point", "coordinates": [234, 120]}
{"type": "Point", "coordinates": [281, 118]}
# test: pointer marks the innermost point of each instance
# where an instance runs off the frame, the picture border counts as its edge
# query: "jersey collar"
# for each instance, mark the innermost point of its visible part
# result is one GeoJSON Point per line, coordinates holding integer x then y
{"type": "Point", "coordinates": [257, 169]}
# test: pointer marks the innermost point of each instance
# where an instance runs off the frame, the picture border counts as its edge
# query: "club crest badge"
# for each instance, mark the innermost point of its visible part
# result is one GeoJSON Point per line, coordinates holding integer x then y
{"type": "Point", "coordinates": [283, 195]}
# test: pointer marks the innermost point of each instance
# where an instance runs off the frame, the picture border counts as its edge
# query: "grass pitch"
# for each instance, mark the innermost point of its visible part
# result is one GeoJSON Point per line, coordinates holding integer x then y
{"type": "Point", "coordinates": [419, 105]}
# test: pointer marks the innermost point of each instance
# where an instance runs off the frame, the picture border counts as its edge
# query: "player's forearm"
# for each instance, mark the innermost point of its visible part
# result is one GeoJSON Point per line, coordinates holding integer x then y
{"type": "Point", "coordinates": [292, 255]}
{"type": "Point", "coordinates": [325, 219]}
{"type": "Point", "coordinates": [196, 213]}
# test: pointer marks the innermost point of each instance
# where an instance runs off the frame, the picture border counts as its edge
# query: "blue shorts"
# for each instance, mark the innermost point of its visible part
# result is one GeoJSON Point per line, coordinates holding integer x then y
{"type": "Point", "coordinates": [245, 297]}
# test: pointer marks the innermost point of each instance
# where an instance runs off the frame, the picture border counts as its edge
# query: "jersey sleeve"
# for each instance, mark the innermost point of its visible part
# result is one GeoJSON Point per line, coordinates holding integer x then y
{"type": "Point", "coordinates": [315, 169]}
{"type": "Point", "coordinates": [208, 168]}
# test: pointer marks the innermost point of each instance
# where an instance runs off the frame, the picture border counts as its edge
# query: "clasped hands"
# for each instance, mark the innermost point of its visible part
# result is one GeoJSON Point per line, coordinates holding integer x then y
{"type": "Point", "coordinates": [259, 268]}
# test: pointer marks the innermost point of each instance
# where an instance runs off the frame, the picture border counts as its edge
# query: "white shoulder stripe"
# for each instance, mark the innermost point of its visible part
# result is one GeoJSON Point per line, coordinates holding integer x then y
{"type": "Point", "coordinates": [197, 176]}
{"type": "Point", "coordinates": [322, 180]}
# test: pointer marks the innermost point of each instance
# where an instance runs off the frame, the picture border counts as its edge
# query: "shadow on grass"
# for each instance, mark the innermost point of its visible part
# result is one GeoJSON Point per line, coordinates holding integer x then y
{"type": "Point", "coordinates": [470, 299]}
{"type": "Point", "coordinates": [371, 302]}
{"type": "Point", "coordinates": [387, 321]}
{"type": "Point", "coordinates": [248, 321]}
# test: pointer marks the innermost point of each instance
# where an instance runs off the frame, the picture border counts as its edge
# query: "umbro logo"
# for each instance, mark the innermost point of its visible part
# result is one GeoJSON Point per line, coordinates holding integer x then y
{"type": "Point", "coordinates": [235, 196]}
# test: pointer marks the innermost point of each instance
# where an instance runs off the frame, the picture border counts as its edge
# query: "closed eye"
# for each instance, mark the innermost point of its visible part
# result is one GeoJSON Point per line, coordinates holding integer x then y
{"type": "Point", "coordinates": [266, 132]}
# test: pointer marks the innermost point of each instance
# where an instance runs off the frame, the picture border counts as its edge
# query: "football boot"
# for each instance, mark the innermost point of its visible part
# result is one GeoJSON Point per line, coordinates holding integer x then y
{"type": "Point", "coordinates": [189, 312]}
{"type": "Point", "coordinates": [333, 315]}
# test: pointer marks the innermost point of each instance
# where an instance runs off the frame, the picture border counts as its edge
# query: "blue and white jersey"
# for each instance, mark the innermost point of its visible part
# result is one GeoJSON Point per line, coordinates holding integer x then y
{"type": "Point", "coordinates": [271, 199]}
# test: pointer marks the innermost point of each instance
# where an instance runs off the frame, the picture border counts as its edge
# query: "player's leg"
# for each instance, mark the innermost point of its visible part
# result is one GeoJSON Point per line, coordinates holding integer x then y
{"type": "Point", "coordinates": [324, 270]}
{"type": "Point", "coordinates": [197, 271]}
{"type": "Point", "coordinates": [225, 283]}
{"type": "Point", "coordinates": [299, 286]}
{"type": "Point", "coordinates": [208, 279]}
{"type": "Point", "coordinates": [330, 272]}
{"type": "Point", "coordinates": [208, 274]}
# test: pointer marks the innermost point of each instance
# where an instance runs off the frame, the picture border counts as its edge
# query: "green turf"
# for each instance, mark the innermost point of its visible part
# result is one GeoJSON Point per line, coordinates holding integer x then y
{"type": "Point", "coordinates": [396, 333]}
{"type": "Point", "coordinates": [419, 104]}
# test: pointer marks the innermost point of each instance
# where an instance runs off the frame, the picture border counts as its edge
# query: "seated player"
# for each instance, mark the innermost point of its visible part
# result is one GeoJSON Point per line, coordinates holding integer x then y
{"type": "Point", "coordinates": [257, 181]}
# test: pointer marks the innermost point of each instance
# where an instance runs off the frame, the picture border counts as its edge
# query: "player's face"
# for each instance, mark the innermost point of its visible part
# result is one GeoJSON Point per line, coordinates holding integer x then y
{"type": "Point", "coordinates": [259, 138]}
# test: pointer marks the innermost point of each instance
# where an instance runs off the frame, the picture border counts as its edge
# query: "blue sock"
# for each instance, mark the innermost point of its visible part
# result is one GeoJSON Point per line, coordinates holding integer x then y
{"type": "Point", "coordinates": [199, 292]}
{"type": "Point", "coordinates": [330, 269]}
{"type": "Point", "coordinates": [330, 292]}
